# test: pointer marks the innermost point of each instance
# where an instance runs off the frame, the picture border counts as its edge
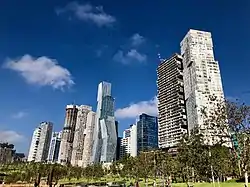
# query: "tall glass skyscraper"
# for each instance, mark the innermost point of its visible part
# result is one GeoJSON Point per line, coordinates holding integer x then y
{"type": "Point", "coordinates": [147, 133]}
{"type": "Point", "coordinates": [54, 147]}
{"type": "Point", "coordinates": [105, 136]}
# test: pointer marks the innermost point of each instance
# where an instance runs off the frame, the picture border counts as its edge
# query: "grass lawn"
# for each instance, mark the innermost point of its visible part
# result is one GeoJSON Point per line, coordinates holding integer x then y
{"type": "Point", "coordinates": [141, 184]}
{"type": "Point", "coordinates": [211, 185]}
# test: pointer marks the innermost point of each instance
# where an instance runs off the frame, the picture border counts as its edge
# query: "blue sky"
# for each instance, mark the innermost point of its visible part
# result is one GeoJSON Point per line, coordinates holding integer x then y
{"type": "Point", "coordinates": [55, 52]}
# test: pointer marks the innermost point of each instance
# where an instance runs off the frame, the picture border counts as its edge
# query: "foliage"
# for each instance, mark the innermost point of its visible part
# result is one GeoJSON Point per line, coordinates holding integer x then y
{"type": "Point", "coordinates": [197, 158]}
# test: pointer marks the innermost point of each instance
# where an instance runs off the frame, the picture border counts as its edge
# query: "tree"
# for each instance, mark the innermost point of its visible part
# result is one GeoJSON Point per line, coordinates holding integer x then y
{"type": "Point", "coordinates": [222, 161]}
{"type": "Point", "coordinates": [193, 157]}
{"type": "Point", "coordinates": [145, 165]}
{"type": "Point", "coordinates": [114, 169]}
{"type": "Point", "coordinates": [230, 121]}
{"type": "Point", "coordinates": [166, 165]}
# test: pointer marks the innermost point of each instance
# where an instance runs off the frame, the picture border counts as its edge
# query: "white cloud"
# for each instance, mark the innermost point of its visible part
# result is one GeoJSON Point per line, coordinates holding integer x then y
{"type": "Point", "coordinates": [135, 109]}
{"type": "Point", "coordinates": [41, 71]}
{"type": "Point", "coordinates": [87, 12]}
{"type": "Point", "coordinates": [11, 137]}
{"type": "Point", "coordinates": [137, 39]}
{"type": "Point", "coordinates": [19, 115]}
{"type": "Point", "coordinates": [130, 56]}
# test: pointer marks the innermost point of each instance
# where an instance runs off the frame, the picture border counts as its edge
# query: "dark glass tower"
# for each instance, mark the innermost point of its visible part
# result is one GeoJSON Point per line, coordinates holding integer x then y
{"type": "Point", "coordinates": [147, 133]}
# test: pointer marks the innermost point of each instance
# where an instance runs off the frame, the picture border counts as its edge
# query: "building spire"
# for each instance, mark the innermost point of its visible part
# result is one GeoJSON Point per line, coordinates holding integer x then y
{"type": "Point", "coordinates": [159, 57]}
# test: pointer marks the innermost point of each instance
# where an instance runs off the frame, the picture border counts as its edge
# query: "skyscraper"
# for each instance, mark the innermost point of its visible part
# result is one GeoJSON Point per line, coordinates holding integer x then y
{"type": "Point", "coordinates": [39, 146]}
{"type": "Point", "coordinates": [147, 133]}
{"type": "Point", "coordinates": [44, 141]}
{"type": "Point", "coordinates": [88, 141]}
{"type": "Point", "coordinates": [118, 144]}
{"type": "Point", "coordinates": [133, 135]}
{"type": "Point", "coordinates": [34, 144]}
{"type": "Point", "coordinates": [125, 146]}
{"type": "Point", "coordinates": [172, 113]}
{"type": "Point", "coordinates": [105, 138]}
{"type": "Point", "coordinates": [66, 146]}
{"type": "Point", "coordinates": [79, 135]}
{"type": "Point", "coordinates": [202, 77]}
{"type": "Point", "coordinates": [129, 142]}
{"type": "Point", "coordinates": [54, 147]}
{"type": "Point", "coordinates": [118, 148]}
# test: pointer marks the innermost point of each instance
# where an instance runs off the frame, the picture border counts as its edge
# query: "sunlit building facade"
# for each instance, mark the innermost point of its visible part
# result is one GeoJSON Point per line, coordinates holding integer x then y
{"type": "Point", "coordinates": [44, 141]}
{"type": "Point", "coordinates": [129, 142]}
{"type": "Point", "coordinates": [34, 144]}
{"type": "Point", "coordinates": [54, 147]}
{"type": "Point", "coordinates": [202, 77]}
{"type": "Point", "coordinates": [105, 136]}
{"type": "Point", "coordinates": [66, 146]}
{"type": "Point", "coordinates": [88, 140]}
{"type": "Point", "coordinates": [79, 135]}
{"type": "Point", "coordinates": [172, 118]}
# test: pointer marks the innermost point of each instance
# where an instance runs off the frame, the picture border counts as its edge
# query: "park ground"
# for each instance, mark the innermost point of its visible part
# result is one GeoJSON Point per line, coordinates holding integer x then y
{"type": "Point", "coordinates": [150, 183]}
{"type": "Point", "coordinates": [233, 184]}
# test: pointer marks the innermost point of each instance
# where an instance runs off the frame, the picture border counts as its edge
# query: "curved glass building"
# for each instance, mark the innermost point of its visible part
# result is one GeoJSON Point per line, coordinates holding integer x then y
{"type": "Point", "coordinates": [105, 136]}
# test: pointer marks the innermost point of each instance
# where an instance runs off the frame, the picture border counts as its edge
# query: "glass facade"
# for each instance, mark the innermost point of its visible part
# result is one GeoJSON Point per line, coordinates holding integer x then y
{"type": "Point", "coordinates": [105, 135]}
{"type": "Point", "coordinates": [147, 133]}
{"type": "Point", "coordinates": [54, 147]}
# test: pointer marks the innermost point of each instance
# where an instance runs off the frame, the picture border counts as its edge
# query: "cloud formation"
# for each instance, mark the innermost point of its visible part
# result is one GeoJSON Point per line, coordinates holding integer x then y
{"type": "Point", "coordinates": [137, 40]}
{"type": "Point", "coordinates": [87, 12]}
{"type": "Point", "coordinates": [135, 109]}
{"type": "Point", "coordinates": [131, 56]}
{"type": "Point", "coordinates": [19, 115]}
{"type": "Point", "coordinates": [129, 52]}
{"type": "Point", "coordinates": [11, 137]}
{"type": "Point", "coordinates": [41, 71]}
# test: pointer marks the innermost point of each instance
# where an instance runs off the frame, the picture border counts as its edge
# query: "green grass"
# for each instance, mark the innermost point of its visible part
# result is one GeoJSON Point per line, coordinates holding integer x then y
{"type": "Point", "coordinates": [211, 185]}
{"type": "Point", "coordinates": [150, 182]}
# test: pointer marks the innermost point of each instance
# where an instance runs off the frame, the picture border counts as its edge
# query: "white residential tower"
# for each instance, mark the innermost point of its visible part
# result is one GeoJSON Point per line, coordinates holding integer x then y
{"type": "Point", "coordinates": [202, 77]}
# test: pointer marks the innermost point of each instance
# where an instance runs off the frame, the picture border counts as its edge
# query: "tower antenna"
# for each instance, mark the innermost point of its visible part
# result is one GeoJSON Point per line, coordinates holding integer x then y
{"type": "Point", "coordinates": [159, 57]}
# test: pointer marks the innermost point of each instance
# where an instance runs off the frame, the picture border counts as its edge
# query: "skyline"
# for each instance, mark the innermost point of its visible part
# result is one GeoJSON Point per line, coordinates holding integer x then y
{"type": "Point", "coordinates": [98, 42]}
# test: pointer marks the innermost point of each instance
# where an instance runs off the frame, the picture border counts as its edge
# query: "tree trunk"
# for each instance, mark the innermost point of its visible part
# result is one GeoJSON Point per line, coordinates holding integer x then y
{"type": "Point", "coordinates": [192, 174]}
{"type": "Point", "coordinates": [146, 182]}
{"type": "Point", "coordinates": [246, 179]}
{"type": "Point", "coordinates": [164, 182]}
{"type": "Point", "coordinates": [218, 181]}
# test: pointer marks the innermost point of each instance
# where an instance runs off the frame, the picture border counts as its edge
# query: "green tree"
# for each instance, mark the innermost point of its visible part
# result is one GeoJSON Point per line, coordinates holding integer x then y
{"type": "Point", "coordinates": [230, 121]}
{"type": "Point", "coordinates": [145, 164]}
{"type": "Point", "coordinates": [166, 165]}
{"type": "Point", "coordinates": [193, 157]}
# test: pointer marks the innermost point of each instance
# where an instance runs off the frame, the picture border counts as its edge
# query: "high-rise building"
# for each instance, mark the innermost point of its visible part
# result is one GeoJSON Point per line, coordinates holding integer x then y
{"type": "Point", "coordinates": [7, 153]}
{"type": "Point", "coordinates": [79, 135]}
{"type": "Point", "coordinates": [125, 146]}
{"type": "Point", "coordinates": [34, 144]}
{"type": "Point", "coordinates": [54, 147]}
{"type": "Point", "coordinates": [44, 142]}
{"type": "Point", "coordinates": [133, 141]}
{"type": "Point", "coordinates": [172, 113]}
{"type": "Point", "coordinates": [66, 146]}
{"type": "Point", "coordinates": [105, 137]}
{"type": "Point", "coordinates": [147, 133]}
{"type": "Point", "coordinates": [118, 148]}
{"type": "Point", "coordinates": [40, 142]}
{"type": "Point", "coordinates": [129, 142]}
{"type": "Point", "coordinates": [126, 133]}
{"type": "Point", "coordinates": [88, 141]}
{"type": "Point", "coordinates": [202, 77]}
{"type": "Point", "coordinates": [118, 144]}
